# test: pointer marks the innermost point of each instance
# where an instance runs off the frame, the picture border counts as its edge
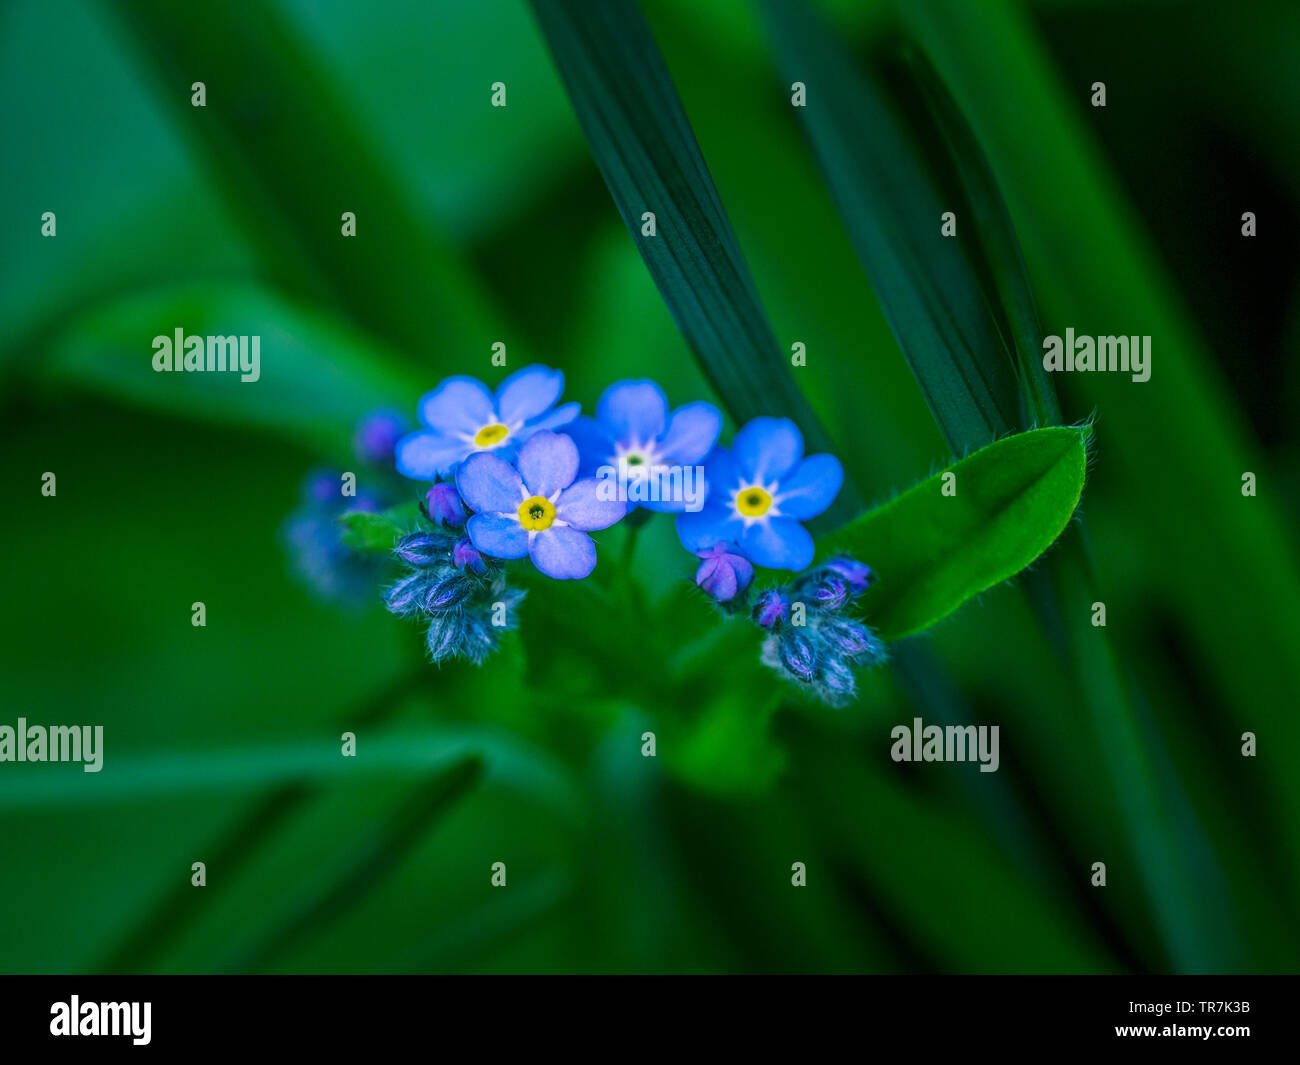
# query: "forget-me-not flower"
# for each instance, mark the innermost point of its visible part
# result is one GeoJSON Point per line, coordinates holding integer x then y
{"type": "Point", "coordinates": [723, 574]}
{"type": "Point", "coordinates": [759, 492]}
{"type": "Point", "coordinates": [536, 507]}
{"type": "Point", "coordinates": [463, 417]}
{"type": "Point", "coordinates": [634, 434]}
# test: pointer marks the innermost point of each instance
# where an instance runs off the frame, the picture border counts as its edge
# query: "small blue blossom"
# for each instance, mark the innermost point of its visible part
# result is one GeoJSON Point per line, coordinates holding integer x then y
{"type": "Point", "coordinates": [464, 418]}
{"type": "Point", "coordinates": [759, 492]}
{"type": "Point", "coordinates": [538, 509]}
{"type": "Point", "coordinates": [722, 574]}
{"type": "Point", "coordinates": [377, 436]}
{"type": "Point", "coordinates": [634, 434]}
{"type": "Point", "coordinates": [858, 574]}
{"type": "Point", "coordinates": [315, 541]}
{"type": "Point", "coordinates": [442, 504]}
{"type": "Point", "coordinates": [464, 554]}
{"type": "Point", "coordinates": [772, 609]}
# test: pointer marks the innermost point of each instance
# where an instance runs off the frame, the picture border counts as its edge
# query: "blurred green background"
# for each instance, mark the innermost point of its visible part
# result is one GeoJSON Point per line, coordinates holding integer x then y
{"type": "Point", "coordinates": [477, 225]}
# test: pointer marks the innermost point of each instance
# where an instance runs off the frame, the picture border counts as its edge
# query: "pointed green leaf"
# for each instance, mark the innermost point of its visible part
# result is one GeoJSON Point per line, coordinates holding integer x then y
{"type": "Point", "coordinates": [974, 525]}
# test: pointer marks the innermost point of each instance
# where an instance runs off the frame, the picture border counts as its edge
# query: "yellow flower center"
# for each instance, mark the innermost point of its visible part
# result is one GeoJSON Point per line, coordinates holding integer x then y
{"type": "Point", "coordinates": [753, 502]}
{"type": "Point", "coordinates": [491, 434]}
{"type": "Point", "coordinates": [536, 512]}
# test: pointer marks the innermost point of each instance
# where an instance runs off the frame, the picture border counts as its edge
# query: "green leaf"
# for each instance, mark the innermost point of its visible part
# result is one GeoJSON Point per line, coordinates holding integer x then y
{"type": "Point", "coordinates": [932, 552]}
{"type": "Point", "coordinates": [317, 377]}
{"type": "Point", "coordinates": [643, 144]}
{"type": "Point", "coordinates": [892, 198]}
{"type": "Point", "coordinates": [366, 530]}
{"type": "Point", "coordinates": [291, 156]}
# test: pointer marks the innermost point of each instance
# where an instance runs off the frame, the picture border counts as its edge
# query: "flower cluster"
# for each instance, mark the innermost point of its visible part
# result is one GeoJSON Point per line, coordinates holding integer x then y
{"type": "Point", "coordinates": [463, 597]}
{"type": "Point", "coordinates": [812, 640]}
{"type": "Point", "coordinates": [312, 533]}
{"type": "Point", "coordinates": [525, 476]}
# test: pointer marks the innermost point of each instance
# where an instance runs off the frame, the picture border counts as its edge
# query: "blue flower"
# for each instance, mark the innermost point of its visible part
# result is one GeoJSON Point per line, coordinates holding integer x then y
{"type": "Point", "coordinates": [772, 608]}
{"type": "Point", "coordinates": [377, 436]}
{"type": "Point", "coordinates": [464, 418]}
{"type": "Point", "coordinates": [442, 504]}
{"type": "Point", "coordinates": [759, 492]}
{"type": "Point", "coordinates": [537, 509]}
{"type": "Point", "coordinates": [634, 434]}
{"type": "Point", "coordinates": [858, 574]}
{"type": "Point", "coordinates": [722, 574]}
{"type": "Point", "coordinates": [329, 567]}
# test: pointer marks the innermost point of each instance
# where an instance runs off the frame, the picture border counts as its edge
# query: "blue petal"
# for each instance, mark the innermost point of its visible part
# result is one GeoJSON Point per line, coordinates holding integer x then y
{"type": "Point", "coordinates": [554, 419]}
{"type": "Point", "coordinates": [692, 432]}
{"type": "Point", "coordinates": [778, 543]}
{"type": "Point", "coordinates": [743, 569]}
{"type": "Point", "coordinates": [595, 448]}
{"type": "Point", "coordinates": [500, 536]}
{"type": "Point", "coordinates": [584, 507]}
{"type": "Point", "coordinates": [718, 579]}
{"type": "Point", "coordinates": [682, 486]}
{"type": "Point", "coordinates": [490, 485]}
{"type": "Point", "coordinates": [722, 477]}
{"type": "Point", "coordinates": [767, 449]}
{"type": "Point", "coordinates": [705, 528]}
{"type": "Point", "coordinates": [459, 405]}
{"type": "Point", "coordinates": [425, 455]}
{"type": "Point", "coordinates": [527, 393]}
{"type": "Point", "coordinates": [563, 553]}
{"type": "Point", "coordinates": [633, 412]}
{"type": "Point", "coordinates": [811, 488]}
{"type": "Point", "coordinates": [547, 463]}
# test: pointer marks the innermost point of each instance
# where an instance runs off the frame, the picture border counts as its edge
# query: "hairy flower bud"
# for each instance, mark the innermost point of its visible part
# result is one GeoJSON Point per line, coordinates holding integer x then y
{"type": "Point", "coordinates": [444, 504]}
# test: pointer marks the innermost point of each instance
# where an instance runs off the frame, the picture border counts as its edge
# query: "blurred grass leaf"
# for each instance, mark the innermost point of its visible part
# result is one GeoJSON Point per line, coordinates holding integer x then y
{"type": "Point", "coordinates": [317, 378]}
{"type": "Point", "coordinates": [950, 329]}
{"type": "Point", "coordinates": [932, 552]}
{"type": "Point", "coordinates": [291, 156]}
{"type": "Point", "coordinates": [643, 144]}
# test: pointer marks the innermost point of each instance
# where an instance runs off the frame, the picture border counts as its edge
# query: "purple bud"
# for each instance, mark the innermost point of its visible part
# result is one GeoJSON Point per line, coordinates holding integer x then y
{"type": "Point", "coordinates": [444, 637]}
{"type": "Point", "coordinates": [444, 592]}
{"type": "Point", "coordinates": [772, 608]}
{"type": "Point", "coordinates": [324, 486]}
{"type": "Point", "coordinates": [838, 683]}
{"type": "Point", "coordinates": [858, 574]}
{"type": "Point", "coordinates": [798, 655]}
{"type": "Point", "coordinates": [401, 598]}
{"type": "Point", "coordinates": [830, 593]}
{"type": "Point", "coordinates": [464, 554]}
{"type": "Point", "coordinates": [444, 505]}
{"type": "Point", "coordinates": [419, 549]}
{"type": "Point", "coordinates": [377, 436]}
{"type": "Point", "coordinates": [851, 639]}
{"type": "Point", "coordinates": [722, 574]}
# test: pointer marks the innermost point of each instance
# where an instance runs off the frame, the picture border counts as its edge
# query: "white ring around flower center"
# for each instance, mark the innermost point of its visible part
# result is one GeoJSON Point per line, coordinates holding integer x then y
{"type": "Point", "coordinates": [773, 511]}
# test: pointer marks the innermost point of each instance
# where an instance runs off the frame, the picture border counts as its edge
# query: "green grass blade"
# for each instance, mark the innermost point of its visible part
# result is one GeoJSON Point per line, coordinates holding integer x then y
{"type": "Point", "coordinates": [373, 860]}
{"type": "Point", "coordinates": [1241, 610]}
{"type": "Point", "coordinates": [1012, 299]}
{"type": "Point", "coordinates": [292, 157]}
{"type": "Point", "coordinates": [892, 204]}
{"type": "Point", "coordinates": [643, 144]}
